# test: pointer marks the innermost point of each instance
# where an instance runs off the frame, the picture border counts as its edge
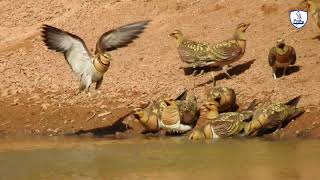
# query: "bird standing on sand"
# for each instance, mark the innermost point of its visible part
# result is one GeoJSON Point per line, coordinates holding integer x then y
{"type": "Point", "coordinates": [218, 55]}
{"type": "Point", "coordinates": [274, 115]}
{"type": "Point", "coordinates": [90, 69]}
{"type": "Point", "coordinates": [281, 56]}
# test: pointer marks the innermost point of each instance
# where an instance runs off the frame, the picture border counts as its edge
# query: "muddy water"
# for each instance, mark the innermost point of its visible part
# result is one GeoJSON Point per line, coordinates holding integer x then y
{"type": "Point", "coordinates": [173, 158]}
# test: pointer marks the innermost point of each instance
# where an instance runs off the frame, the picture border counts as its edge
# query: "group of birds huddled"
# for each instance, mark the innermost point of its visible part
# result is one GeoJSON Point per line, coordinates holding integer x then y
{"type": "Point", "coordinates": [179, 115]}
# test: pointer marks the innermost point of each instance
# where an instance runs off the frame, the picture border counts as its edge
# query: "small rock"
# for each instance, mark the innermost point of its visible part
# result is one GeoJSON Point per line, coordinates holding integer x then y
{"type": "Point", "coordinates": [103, 106]}
{"type": "Point", "coordinates": [15, 102]}
{"type": "Point", "coordinates": [308, 110]}
{"type": "Point", "coordinates": [104, 114]}
{"type": "Point", "coordinates": [45, 106]}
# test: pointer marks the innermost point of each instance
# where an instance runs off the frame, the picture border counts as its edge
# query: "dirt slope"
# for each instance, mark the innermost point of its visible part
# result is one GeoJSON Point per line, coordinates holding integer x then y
{"type": "Point", "coordinates": [37, 89]}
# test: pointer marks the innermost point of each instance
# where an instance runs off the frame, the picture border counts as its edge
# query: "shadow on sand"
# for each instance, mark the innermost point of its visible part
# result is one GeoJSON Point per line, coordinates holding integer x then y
{"type": "Point", "coordinates": [117, 126]}
{"type": "Point", "coordinates": [290, 70]}
{"type": "Point", "coordinates": [236, 70]}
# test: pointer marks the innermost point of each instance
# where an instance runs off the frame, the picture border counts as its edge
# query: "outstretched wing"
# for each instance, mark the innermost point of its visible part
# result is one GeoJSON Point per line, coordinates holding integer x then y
{"type": "Point", "coordinates": [272, 56]}
{"type": "Point", "coordinates": [72, 46]}
{"type": "Point", "coordinates": [120, 37]}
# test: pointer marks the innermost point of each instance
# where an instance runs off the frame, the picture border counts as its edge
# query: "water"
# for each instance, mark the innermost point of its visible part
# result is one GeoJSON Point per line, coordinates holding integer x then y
{"type": "Point", "coordinates": [174, 158]}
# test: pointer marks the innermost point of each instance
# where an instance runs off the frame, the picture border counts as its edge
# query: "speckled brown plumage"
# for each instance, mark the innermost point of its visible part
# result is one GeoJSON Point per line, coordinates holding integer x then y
{"type": "Point", "coordinates": [281, 56]}
{"type": "Point", "coordinates": [222, 54]}
{"type": "Point", "coordinates": [224, 96]}
{"type": "Point", "coordinates": [274, 115]}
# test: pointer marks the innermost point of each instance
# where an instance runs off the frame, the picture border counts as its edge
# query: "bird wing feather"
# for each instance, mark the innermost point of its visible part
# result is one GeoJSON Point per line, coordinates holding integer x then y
{"type": "Point", "coordinates": [193, 53]}
{"type": "Point", "coordinates": [225, 51]}
{"type": "Point", "coordinates": [72, 46]}
{"type": "Point", "coordinates": [225, 128]}
{"type": "Point", "coordinates": [272, 56]}
{"type": "Point", "coordinates": [120, 37]}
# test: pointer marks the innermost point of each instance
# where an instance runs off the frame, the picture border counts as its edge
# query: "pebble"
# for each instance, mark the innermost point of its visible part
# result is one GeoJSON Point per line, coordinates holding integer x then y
{"type": "Point", "coordinates": [45, 106]}
{"type": "Point", "coordinates": [104, 114]}
{"type": "Point", "coordinates": [103, 106]}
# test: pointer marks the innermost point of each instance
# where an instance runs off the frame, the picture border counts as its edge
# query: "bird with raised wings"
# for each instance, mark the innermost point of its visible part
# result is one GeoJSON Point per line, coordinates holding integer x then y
{"type": "Point", "coordinates": [281, 56]}
{"type": "Point", "coordinates": [90, 68]}
{"type": "Point", "coordinates": [221, 55]}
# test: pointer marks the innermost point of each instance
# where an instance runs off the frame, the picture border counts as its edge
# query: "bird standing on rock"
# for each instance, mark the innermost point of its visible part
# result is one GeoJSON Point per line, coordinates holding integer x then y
{"type": "Point", "coordinates": [281, 56]}
{"type": "Point", "coordinates": [218, 55]}
{"type": "Point", "coordinates": [274, 115]}
{"type": "Point", "coordinates": [90, 69]}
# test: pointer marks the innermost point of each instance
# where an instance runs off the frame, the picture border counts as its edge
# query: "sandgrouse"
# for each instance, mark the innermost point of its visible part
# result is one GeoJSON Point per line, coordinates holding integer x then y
{"type": "Point", "coordinates": [271, 116]}
{"type": "Point", "coordinates": [223, 125]}
{"type": "Point", "coordinates": [218, 55]}
{"type": "Point", "coordinates": [171, 115]}
{"type": "Point", "coordinates": [90, 68]}
{"type": "Point", "coordinates": [281, 56]}
{"type": "Point", "coordinates": [225, 98]}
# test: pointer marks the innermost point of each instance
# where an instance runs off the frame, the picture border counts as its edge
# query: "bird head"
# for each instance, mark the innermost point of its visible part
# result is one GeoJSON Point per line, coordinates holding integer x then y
{"type": "Point", "coordinates": [149, 121]}
{"type": "Point", "coordinates": [213, 109]}
{"type": "Point", "coordinates": [256, 124]}
{"type": "Point", "coordinates": [102, 61]}
{"type": "Point", "coordinates": [240, 31]}
{"type": "Point", "coordinates": [140, 115]}
{"type": "Point", "coordinates": [214, 96]}
{"type": "Point", "coordinates": [211, 106]}
{"type": "Point", "coordinates": [177, 34]}
{"type": "Point", "coordinates": [197, 134]}
{"type": "Point", "coordinates": [280, 43]}
{"type": "Point", "coordinates": [105, 58]}
{"type": "Point", "coordinates": [311, 5]}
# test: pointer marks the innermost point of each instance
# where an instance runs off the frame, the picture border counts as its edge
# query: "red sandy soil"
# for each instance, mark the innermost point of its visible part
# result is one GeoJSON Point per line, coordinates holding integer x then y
{"type": "Point", "coordinates": [37, 89]}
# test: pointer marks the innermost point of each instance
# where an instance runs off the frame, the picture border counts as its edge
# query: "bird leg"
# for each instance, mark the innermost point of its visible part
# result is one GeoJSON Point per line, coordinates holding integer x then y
{"type": "Point", "coordinates": [225, 71]}
{"type": "Point", "coordinates": [194, 73]}
{"type": "Point", "coordinates": [284, 71]}
{"type": "Point", "coordinates": [213, 78]}
{"type": "Point", "coordinates": [201, 72]}
{"type": "Point", "coordinates": [98, 84]}
{"type": "Point", "coordinates": [81, 88]}
{"type": "Point", "coordinates": [274, 75]}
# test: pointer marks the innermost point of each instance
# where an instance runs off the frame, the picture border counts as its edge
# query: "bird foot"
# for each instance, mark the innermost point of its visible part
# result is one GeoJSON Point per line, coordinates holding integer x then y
{"type": "Point", "coordinates": [201, 73]}
{"type": "Point", "coordinates": [274, 76]}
